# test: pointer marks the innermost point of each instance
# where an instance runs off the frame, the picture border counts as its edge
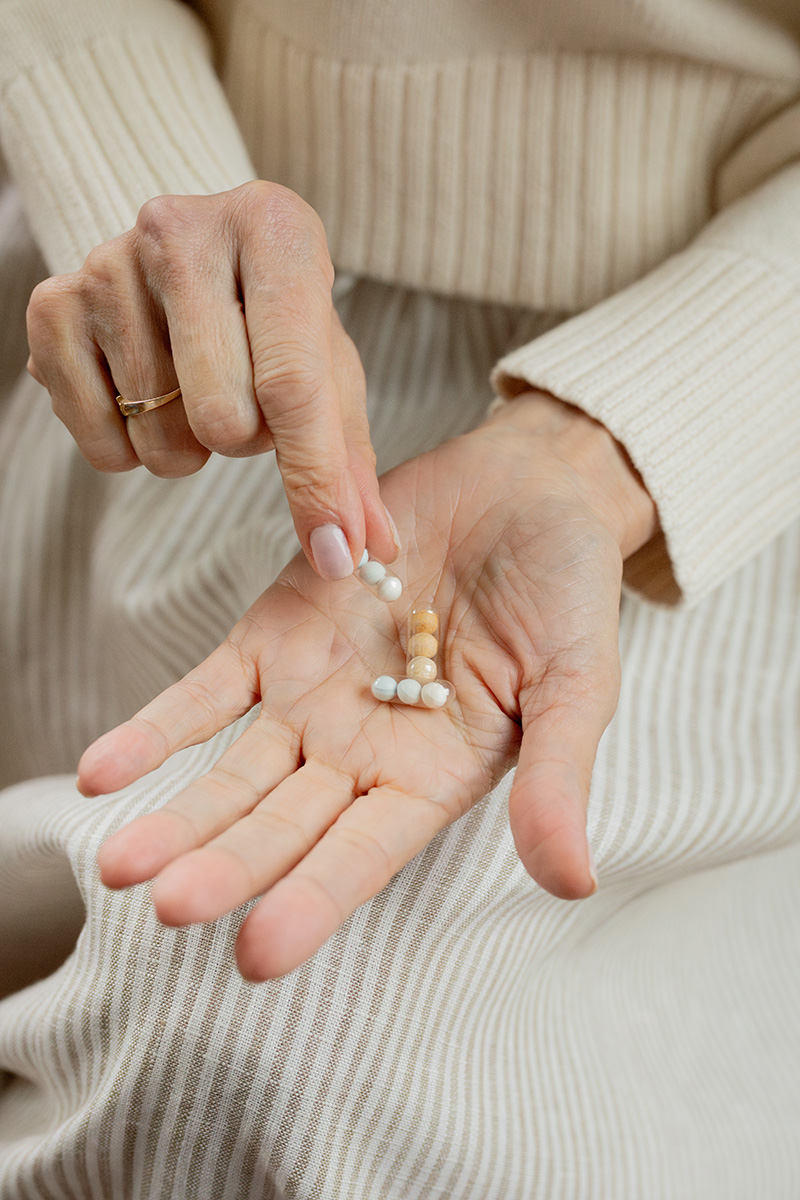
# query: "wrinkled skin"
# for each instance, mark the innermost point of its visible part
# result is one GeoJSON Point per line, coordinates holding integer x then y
{"type": "Point", "coordinates": [517, 531]}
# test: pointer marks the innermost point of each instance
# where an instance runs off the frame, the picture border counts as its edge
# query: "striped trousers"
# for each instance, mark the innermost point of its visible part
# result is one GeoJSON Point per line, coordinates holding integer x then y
{"type": "Point", "coordinates": [465, 1035]}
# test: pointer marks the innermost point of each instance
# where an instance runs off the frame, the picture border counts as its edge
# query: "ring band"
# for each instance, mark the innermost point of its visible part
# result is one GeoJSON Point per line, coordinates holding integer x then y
{"type": "Point", "coordinates": [132, 408]}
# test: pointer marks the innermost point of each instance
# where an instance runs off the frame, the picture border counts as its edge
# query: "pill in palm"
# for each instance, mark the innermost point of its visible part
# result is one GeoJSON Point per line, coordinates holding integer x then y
{"type": "Point", "coordinates": [437, 694]}
{"type": "Point", "coordinates": [422, 643]}
{"type": "Point", "coordinates": [384, 687]}
{"type": "Point", "coordinates": [423, 619]}
{"type": "Point", "coordinates": [374, 575]}
{"type": "Point", "coordinates": [422, 668]}
{"type": "Point", "coordinates": [411, 692]}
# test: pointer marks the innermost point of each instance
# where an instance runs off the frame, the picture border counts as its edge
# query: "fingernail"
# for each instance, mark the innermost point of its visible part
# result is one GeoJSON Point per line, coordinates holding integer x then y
{"type": "Point", "coordinates": [592, 867]}
{"type": "Point", "coordinates": [331, 552]}
{"type": "Point", "coordinates": [393, 527]}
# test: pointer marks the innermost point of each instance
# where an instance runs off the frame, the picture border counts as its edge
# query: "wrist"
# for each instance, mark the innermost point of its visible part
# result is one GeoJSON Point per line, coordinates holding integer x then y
{"type": "Point", "coordinates": [600, 465]}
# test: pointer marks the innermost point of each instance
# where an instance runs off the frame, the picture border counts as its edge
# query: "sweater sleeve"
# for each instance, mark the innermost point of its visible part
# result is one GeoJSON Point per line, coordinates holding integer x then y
{"type": "Point", "coordinates": [103, 104]}
{"type": "Point", "coordinates": [695, 369]}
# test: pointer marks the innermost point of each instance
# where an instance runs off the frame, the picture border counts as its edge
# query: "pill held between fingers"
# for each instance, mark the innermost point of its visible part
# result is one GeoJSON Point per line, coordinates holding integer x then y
{"type": "Point", "coordinates": [372, 572]}
{"type": "Point", "coordinates": [390, 589]}
{"type": "Point", "coordinates": [384, 688]}
{"type": "Point", "coordinates": [408, 691]}
{"type": "Point", "coordinates": [422, 668]}
{"type": "Point", "coordinates": [364, 559]}
{"type": "Point", "coordinates": [424, 644]}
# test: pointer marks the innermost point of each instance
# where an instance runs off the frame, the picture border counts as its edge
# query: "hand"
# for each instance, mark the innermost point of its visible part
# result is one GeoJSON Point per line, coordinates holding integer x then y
{"type": "Point", "coordinates": [518, 531]}
{"type": "Point", "coordinates": [228, 297]}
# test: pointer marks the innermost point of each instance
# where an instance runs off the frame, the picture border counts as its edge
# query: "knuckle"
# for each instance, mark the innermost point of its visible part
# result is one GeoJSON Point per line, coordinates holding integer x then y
{"type": "Point", "coordinates": [170, 234]}
{"type": "Point", "coordinates": [160, 216]}
{"type": "Point", "coordinates": [219, 429]}
{"type": "Point", "coordinates": [50, 304]}
{"type": "Point", "coordinates": [307, 484]}
{"type": "Point", "coordinates": [103, 264]}
{"type": "Point", "coordinates": [287, 385]}
{"type": "Point", "coordinates": [291, 225]}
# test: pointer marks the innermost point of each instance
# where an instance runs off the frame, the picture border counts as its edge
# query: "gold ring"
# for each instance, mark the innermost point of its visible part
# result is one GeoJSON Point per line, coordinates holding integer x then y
{"type": "Point", "coordinates": [132, 408]}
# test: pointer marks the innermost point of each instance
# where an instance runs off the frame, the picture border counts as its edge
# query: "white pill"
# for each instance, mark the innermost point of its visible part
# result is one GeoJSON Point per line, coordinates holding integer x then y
{"type": "Point", "coordinates": [434, 695]}
{"type": "Point", "coordinates": [408, 691]}
{"type": "Point", "coordinates": [384, 688]}
{"type": "Point", "coordinates": [364, 559]}
{"type": "Point", "coordinates": [372, 572]}
{"type": "Point", "coordinates": [390, 588]}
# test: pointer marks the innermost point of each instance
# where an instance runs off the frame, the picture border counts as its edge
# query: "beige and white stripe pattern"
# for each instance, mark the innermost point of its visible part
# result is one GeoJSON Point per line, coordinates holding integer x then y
{"type": "Point", "coordinates": [465, 1036]}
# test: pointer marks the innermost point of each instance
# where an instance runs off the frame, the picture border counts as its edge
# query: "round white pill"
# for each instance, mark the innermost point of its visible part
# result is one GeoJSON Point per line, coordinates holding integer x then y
{"type": "Point", "coordinates": [372, 572]}
{"type": "Point", "coordinates": [384, 688]}
{"type": "Point", "coordinates": [434, 695]}
{"type": "Point", "coordinates": [364, 559]}
{"type": "Point", "coordinates": [389, 588]}
{"type": "Point", "coordinates": [408, 691]}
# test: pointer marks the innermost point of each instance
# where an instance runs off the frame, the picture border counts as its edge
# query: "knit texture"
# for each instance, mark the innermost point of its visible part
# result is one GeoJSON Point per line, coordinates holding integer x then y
{"type": "Point", "coordinates": [694, 369]}
{"type": "Point", "coordinates": [552, 163]}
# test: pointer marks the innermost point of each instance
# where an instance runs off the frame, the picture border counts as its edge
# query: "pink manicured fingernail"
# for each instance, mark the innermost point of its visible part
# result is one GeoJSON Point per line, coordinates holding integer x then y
{"type": "Point", "coordinates": [331, 552]}
{"type": "Point", "coordinates": [393, 528]}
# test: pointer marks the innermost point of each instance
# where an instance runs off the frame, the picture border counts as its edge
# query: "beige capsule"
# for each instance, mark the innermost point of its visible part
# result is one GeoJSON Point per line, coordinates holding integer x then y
{"type": "Point", "coordinates": [424, 644]}
{"type": "Point", "coordinates": [422, 668]}
{"type": "Point", "coordinates": [423, 619]}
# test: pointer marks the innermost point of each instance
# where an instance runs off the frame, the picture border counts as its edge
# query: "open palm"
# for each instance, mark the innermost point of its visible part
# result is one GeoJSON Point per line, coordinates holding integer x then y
{"type": "Point", "coordinates": [328, 793]}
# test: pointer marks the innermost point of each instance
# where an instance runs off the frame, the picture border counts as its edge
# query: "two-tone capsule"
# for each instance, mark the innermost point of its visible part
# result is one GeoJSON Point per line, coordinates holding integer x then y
{"type": "Point", "coordinates": [375, 576]}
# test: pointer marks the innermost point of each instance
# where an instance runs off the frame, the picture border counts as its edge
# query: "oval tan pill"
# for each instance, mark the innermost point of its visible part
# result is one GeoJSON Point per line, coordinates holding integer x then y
{"type": "Point", "coordinates": [424, 644]}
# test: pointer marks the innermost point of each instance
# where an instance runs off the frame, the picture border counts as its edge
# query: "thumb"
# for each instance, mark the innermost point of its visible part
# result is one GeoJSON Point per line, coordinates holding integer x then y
{"type": "Point", "coordinates": [550, 793]}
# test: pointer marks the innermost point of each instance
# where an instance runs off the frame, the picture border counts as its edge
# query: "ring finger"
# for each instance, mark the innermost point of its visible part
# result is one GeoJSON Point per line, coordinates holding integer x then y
{"type": "Point", "coordinates": [137, 349]}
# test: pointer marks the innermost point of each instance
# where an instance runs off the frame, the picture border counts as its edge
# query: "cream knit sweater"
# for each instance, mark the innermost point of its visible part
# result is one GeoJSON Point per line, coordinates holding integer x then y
{"type": "Point", "coordinates": [636, 164]}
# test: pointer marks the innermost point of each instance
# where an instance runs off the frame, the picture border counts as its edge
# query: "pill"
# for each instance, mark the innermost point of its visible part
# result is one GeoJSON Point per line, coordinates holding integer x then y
{"type": "Point", "coordinates": [423, 620]}
{"type": "Point", "coordinates": [374, 575]}
{"type": "Point", "coordinates": [422, 668]}
{"type": "Point", "coordinates": [390, 589]}
{"type": "Point", "coordinates": [424, 644]}
{"type": "Point", "coordinates": [434, 695]}
{"type": "Point", "coordinates": [372, 571]}
{"type": "Point", "coordinates": [384, 688]}
{"type": "Point", "coordinates": [411, 692]}
{"type": "Point", "coordinates": [408, 691]}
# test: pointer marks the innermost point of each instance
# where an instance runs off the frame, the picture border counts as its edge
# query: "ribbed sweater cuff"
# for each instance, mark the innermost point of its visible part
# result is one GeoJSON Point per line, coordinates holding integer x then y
{"type": "Point", "coordinates": [695, 370]}
{"type": "Point", "coordinates": [94, 132]}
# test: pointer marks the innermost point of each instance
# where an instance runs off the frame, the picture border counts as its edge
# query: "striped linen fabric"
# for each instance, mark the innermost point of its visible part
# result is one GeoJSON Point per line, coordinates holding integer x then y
{"type": "Point", "coordinates": [465, 1036]}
